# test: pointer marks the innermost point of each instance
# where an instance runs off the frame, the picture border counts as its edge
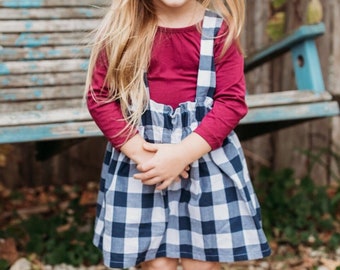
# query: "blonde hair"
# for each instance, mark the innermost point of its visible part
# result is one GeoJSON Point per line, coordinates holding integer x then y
{"type": "Point", "coordinates": [126, 34]}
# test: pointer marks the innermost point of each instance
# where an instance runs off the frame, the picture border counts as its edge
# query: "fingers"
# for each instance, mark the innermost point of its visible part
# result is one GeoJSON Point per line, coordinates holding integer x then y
{"type": "Point", "coordinates": [164, 184]}
{"type": "Point", "coordinates": [144, 168]}
{"type": "Point", "coordinates": [184, 174]}
{"type": "Point", "coordinates": [151, 147]}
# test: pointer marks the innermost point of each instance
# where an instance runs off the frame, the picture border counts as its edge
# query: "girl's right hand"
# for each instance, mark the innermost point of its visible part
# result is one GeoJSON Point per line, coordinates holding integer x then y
{"type": "Point", "coordinates": [147, 154]}
{"type": "Point", "coordinates": [134, 149]}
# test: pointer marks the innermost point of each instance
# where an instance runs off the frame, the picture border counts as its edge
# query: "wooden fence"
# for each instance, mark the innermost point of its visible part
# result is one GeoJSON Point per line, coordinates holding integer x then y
{"type": "Point", "coordinates": [284, 148]}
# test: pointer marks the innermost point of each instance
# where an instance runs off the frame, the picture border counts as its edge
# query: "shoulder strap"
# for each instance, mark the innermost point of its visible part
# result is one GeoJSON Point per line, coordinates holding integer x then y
{"type": "Point", "coordinates": [206, 79]}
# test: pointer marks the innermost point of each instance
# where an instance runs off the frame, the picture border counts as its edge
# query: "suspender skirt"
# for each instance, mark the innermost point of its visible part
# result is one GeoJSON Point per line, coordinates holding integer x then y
{"type": "Point", "coordinates": [213, 216]}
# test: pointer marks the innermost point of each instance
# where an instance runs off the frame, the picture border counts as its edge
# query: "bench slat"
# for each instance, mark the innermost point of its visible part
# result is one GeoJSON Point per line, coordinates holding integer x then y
{"type": "Point", "coordinates": [43, 53]}
{"type": "Point", "coordinates": [49, 132]}
{"type": "Point", "coordinates": [14, 26]}
{"type": "Point", "coordinates": [49, 3]}
{"type": "Point", "coordinates": [47, 117]}
{"type": "Point", "coordinates": [281, 110]}
{"type": "Point", "coordinates": [74, 129]}
{"type": "Point", "coordinates": [285, 97]}
{"type": "Point", "coordinates": [51, 13]}
{"type": "Point", "coordinates": [40, 106]}
{"type": "Point", "coordinates": [291, 112]}
{"type": "Point", "coordinates": [41, 93]}
{"type": "Point", "coordinates": [43, 39]}
{"type": "Point", "coordinates": [43, 66]}
{"type": "Point", "coordinates": [15, 81]}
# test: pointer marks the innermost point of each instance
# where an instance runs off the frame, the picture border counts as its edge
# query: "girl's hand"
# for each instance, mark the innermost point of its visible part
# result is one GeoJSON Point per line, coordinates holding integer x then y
{"type": "Point", "coordinates": [134, 149]}
{"type": "Point", "coordinates": [165, 167]}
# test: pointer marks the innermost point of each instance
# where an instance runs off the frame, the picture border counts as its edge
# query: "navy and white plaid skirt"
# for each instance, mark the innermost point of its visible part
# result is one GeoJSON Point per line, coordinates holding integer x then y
{"type": "Point", "coordinates": [212, 216]}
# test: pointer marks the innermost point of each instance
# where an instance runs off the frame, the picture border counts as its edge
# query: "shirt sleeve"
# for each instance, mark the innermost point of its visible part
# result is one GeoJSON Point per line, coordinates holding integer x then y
{"type": "Point", "coordinates": [229, 105]}
{"type": "Point", "coordinates": [107, 115]}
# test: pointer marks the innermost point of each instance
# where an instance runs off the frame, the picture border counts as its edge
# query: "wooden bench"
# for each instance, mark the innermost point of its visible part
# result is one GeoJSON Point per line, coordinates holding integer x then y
{"type": "Point", "coordinates": [310, 100]}
{"type": "Point", "coordinates": [43, 64]}
{"type": "Point", "coordinates": [43, 67]}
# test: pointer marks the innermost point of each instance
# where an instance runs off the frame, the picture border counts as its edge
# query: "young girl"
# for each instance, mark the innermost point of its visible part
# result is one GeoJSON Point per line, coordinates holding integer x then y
{"type": "Point", "coordinates": [166, 87]}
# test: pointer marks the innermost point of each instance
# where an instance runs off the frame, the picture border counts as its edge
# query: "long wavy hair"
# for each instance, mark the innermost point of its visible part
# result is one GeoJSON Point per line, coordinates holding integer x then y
{"type": "Point", "coordinates": [126, 34]}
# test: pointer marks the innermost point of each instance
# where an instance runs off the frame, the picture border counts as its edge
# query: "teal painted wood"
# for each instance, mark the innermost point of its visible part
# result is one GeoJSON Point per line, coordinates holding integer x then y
{"type": "Point", "coordinates": [301, 43]}
{"type": "Point", "coordinates": [71, 129]}
{"type": "Point", "coordinates": [306, 62]}
{"type": "Point", "coordinates": [47, 3]}
{"type": "Point", "coordinates": [305, 32]}
{"type": "Point", "coordinates": [42, 39]}
{"type": "Point", "coordinates": [285, 98]}
{"type": "Point", "coordinates": [33, 81]}
{"type": "Point", "coordinates": [291, 112]}
{"type": "Point", "coordinates": [56, 131]}
{"type": "Point", "coordinates": [22, 3]}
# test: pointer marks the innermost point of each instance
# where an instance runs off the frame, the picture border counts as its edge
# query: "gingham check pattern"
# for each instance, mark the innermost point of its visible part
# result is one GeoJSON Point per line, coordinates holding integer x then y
{"type": "Point", "coordinates": [214, 216]}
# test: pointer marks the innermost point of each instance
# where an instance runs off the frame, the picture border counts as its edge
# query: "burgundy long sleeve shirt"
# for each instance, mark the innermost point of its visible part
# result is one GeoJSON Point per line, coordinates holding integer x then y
{"type": "Point", "coordinates": [172, 79]}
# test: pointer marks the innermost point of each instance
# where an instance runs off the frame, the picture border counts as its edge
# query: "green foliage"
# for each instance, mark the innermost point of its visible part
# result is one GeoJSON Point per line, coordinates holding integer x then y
{"type": "Point", "coordinates": [314, 12]}
{"type": "Point", "coordinates": [4, 265]}
{"type": "Point", "coordinates": [276, 4]}
{"type": "Point", "coordinates": [65, 237]}
{"type": "Point", "coordinates": [296, 211]}
{"type": "Point", "coordinates": [276, 26]}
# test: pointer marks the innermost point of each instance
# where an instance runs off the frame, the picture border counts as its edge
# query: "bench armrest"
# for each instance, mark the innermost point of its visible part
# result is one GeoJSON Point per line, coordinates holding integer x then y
{"type": "Point", "coordinates": [306, 63]}
{"type": "Point", "coordinates": [303, 33]}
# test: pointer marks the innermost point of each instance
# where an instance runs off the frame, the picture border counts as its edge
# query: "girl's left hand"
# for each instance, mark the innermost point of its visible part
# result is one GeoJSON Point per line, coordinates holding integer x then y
{"type": "Point", "coordinates": [165, 167]}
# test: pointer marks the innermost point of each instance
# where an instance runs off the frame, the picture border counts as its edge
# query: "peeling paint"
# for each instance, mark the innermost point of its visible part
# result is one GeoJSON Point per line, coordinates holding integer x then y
{"type": "Point", "coordinates": [33, 54]}
{"type": "Point", "coordinates": [39, 107]}
{"type": "Point", "coordinates": [5, 51]}
{"type": "Point", "coordinates": [4, 70]}
{"type": "Point", "coordinates": [28, 25]}
{"type": "Point", "coordinates": [5, 81]}
{"type": "Point", "coordinates": [8, 96]}
{"type": "Point", "coordinates": [81, 130]}
{"type": "Point", "coordinates": [54, 52]}
{"type": "Point", "coordinates": [37, 93]}
{"type": "Point", "coordinates": [87, 12]}
{"type": "Point", "coordinates": [33, 67]}
{"type": "Point", "coordinates": [26, 39]}
{"type": "Point", "coordinates": [22, 3]}
{"type": "Point", "coordinates": [84, 65]}
{"type": "Point", "coordinates": [37, 80]}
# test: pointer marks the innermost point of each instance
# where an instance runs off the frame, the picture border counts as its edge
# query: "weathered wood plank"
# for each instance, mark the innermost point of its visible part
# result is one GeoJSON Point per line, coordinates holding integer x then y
{"type": "Point", "coordinates": [43, 66]}
{"type": "Point", "coordinates": [15, 81]}
{"type": "Point", "coordinates": [49, 132]}
{"type": "Point", "coordinates": [332, 65]}
{"type": "Point", "coordinates": [44, 117]}
{"type": "Point", "coordinates": [255, 115]}
{"type": "Point", "coordinates": [43, 39]}
{"type": "Point", "coordinates": [15, 26]}
{"type": "Point", "coordinates": [39, 53]}
{"type": "Point", "coordinates": [41, 93]}
{"type": "Point", "coordinates": [51, 13]}
{"type": "Point", "coordinates": [291, 112]}
{"type": "Point", "coordinates": [285, 97]}
{"type": "Point", "coordinates": [43, 105]}
{"type": "Point", "coordinates": [49, 3]}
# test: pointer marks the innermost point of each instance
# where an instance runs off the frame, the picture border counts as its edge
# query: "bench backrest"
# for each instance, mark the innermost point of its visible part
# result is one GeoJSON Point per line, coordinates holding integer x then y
{"type": "Point", "coordinates": [43, 60]}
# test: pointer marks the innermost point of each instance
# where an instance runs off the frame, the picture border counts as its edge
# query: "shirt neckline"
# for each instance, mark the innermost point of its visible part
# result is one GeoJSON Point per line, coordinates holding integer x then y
{"type": "Point", "coordinates": [189, 28]}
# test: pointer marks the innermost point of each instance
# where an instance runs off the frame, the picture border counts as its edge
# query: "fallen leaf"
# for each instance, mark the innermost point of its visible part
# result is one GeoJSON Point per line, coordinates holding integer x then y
{"type": "Point", "coordinates": [330, 264]}
{"type": "Point", "coordinates": [63, 228]}
{"type": "Point", "coordinates": [8, 250]}
{"type": "Point", "coordinates": [88, 198]}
